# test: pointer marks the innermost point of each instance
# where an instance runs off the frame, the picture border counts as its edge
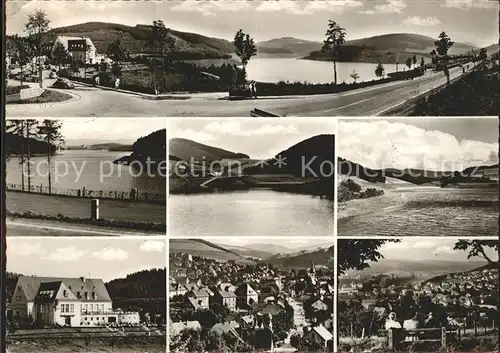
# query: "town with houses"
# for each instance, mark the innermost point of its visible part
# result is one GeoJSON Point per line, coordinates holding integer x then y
{"type": "Point", "coordinates": [251, 306]}
{"type": "Point", "coordinates": [464, 305]}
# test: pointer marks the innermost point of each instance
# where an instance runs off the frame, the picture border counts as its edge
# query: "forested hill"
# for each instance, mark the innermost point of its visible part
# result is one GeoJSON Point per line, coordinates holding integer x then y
{"type": "Point", "coordinates": [152, 145]}
{"type": "Point", "coordinates": [17, 145]}
{"type": "Point", "coordinates": [143, 284]}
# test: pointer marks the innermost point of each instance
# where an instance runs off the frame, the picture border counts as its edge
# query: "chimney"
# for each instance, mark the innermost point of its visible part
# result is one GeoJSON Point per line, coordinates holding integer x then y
{"type": "Point", "coordinates": [83, 279]}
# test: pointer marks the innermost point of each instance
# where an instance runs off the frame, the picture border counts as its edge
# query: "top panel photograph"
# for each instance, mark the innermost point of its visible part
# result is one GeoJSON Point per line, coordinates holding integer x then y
{"type": "Point", "coordinates": [252, 58]}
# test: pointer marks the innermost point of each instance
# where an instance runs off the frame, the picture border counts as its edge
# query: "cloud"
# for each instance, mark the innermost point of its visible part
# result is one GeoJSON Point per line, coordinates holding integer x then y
{"type": "Point", "coordinates": [210, 8]}
{"type": "Point", "coordinates": [422, 21]}
{"type": "Point", "coordinates": [383, 144]}
{"type": "Point", "coordinates": [235, 128]}
{"type": "Point", "coordinates": [391, 6]}
{"type": "Point", "coordinates": [336, 6]}
{"type": "Point", "coordinates": [65, 254]}
{"type": "Point", "coordinates": [25, 249]}
{"type": "Point", "coordinates": [111, 254]}
{"type": "Point", "coordinates": [198, 136]}
{"type": "Point", "coordinates": [308, 7]}
{"type": "Point", "coordinates": [445, 249]}
{"type": "Point", "coordinates": [469, 4]}
{"type": "Point", "coordinates": [424, 244]}
{"type": "Point", "coordinates": [153, 246]}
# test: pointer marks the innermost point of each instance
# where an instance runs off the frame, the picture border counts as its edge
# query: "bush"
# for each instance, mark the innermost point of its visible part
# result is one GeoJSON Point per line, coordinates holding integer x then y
{"type": "Point", "coordinates": [14, 89]}
{"type": "Point", "coordinates": [351, 185]}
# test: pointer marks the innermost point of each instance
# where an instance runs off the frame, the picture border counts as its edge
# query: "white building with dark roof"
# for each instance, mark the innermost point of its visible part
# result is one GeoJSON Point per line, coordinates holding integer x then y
{"type": "Point", "coordinates": [79, 48]}
{"type": "Point", "coordinates": [67, 302]}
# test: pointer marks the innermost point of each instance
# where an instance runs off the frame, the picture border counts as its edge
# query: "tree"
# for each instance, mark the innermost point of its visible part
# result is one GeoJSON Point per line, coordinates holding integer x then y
{"type": "Point", "coordinates": [245, 50]}
{"type": "Point", "coordinates": [379, 71]}
{"type": "Point", "coordinates": [160, 44]}
{"type": "Point", "coordinates": [414, 60]}
{"type": "Point", "coordinates": [23, 53]}
{"type": "Point", "coordinates": [408, 63]}
{"type": "Point", "coordinates": [30, 126]}
{"type": "Point", "coordinates": [50, 131]}
{"type": "Point", "coordinates": [17, 128]}
{"type": "Point", "coordinates": [116, 51]}
{"type": "Point", "coordinates": [483, 54]}
{"type": "Point", "coordinates": [335, 37]}
{"type": "Point", "coordinates": [477, 248]}
{"type": "Point", "coordinates": [37, 27]}
{"type": "Point", "coordinates": [354, 75]}
{"type": "Point", "coordinates": [443, 44]}
{"type": "Point", "coordinates": [354, 254]}
{"type": "Point", "coordinates": [60, 55]}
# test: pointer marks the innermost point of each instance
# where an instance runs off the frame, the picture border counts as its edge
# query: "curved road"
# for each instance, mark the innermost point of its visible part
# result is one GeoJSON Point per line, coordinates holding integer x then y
{"type": "Point", "coordinates": [91, 102]}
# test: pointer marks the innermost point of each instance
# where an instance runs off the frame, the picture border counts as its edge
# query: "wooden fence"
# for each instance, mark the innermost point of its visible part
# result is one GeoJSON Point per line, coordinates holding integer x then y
{"type": "Point", "coordinates": [133, 194]}
{"type": "Point", "coordinates": [396, 337]}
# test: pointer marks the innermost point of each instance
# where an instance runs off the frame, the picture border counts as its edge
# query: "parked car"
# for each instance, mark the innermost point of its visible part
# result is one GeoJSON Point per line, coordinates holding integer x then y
{"type": "Point", "coordinates": [53, 74]}
{"type": "Point", "coordinates": [63, 83]}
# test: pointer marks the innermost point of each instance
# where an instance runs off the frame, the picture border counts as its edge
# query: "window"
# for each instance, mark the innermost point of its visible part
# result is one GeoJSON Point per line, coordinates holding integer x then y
{"type": "Point", "coordinates": [78, 295]}
{"type": "Point", "coordinates": [65, 293]}
{"type": "Point", "coordinates": [91, 307]}
{"type": "Point", "coordinates": [72, 308]}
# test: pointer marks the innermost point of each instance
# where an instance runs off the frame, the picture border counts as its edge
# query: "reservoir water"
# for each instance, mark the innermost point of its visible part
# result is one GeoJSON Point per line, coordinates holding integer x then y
{"type": "Point", "coordinates": [422, 211]}
{"type": "Point", "coordinates": [92, 169]}
{"type": "Point", "coordinates": [293, 69]}
{"type": "Point", "coordinates": [250, 213]}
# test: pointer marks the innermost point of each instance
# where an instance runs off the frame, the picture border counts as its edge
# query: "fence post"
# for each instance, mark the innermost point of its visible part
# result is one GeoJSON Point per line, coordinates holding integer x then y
{"type": "Point", "coordinates": [79, 193]}
{"type": "Point", "coordinates": [83, 191]}
{"type": "Point", "coordinates": [94, 209]}
{"type": "Point", "coordinates": [443, 337]}
{"type": "Point", "coordinates": [390, 339]}
{"type": "Point", "coordinates": [475, 328]}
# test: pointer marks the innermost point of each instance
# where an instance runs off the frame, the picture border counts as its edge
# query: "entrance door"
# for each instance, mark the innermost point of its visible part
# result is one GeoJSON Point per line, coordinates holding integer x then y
{"type": "Point", "coordinates": [67, 321]}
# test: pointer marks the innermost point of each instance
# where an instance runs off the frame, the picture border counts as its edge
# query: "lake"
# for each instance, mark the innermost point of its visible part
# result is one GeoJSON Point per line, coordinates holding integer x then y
{"type": "Point", "coordinates": [250, 213]}
{"type": "Point", "coordinates": [293, 69]}
{"type": "Point", "coordinates": [422, 211]}
{"type": "Point", "coordinates": [92, 164]}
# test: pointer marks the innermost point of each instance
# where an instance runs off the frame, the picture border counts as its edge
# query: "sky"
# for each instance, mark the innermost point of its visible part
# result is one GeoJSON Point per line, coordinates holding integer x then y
{"type": "Point", "coordinates": [474, 21]}
{"type": "Point", "coordinates": [428, 249]}
{"type": "Point", "coordinates": [105, 258]}
{"type": "Point", "coordinates": [102, 130]}
{"type": "Point", "coordinates": [440, 144]}
{"type": "Point", "coordinates": [258, 138]}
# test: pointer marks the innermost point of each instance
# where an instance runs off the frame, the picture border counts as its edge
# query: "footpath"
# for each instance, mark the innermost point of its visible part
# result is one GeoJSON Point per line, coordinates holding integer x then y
{"type": "Point", "coordinates": [113, 210]}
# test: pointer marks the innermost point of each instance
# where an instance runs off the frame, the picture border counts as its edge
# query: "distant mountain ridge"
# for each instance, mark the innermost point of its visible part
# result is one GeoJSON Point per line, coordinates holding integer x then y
{"type": "Point", "coordinates": [386, 48]}
{"type": "Point", "coordinates": [398, 266]}
{"type": "Point", "coordinates": [414, 176]}
{"type": "Point", "coordinates": [135, 39]}
{"type": "Point", "coordinates": [185, 149]}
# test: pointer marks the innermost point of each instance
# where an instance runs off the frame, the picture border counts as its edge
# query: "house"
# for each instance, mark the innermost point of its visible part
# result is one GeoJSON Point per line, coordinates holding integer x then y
{"type": "Point", "coordinates": [176, 289]}
{"type": "Point", "coordinates": [319, 334]}
{"type": "Point", "coordinates": [175, 328]}
{"type": "Point", "coordinates": [319, 305]}
{"type": "Point", "coordinates": [67, 302]}
{"type": "Point", "coordinates": [79, 48]}
{"type": "Point", "coordinates": [200, 297]}
{"type": "Point", "coordinates": [226, 298]}
{"type": "Point", "coordinates": [225, 327]}
{"type": "Point", "coordinates": [246, 295]}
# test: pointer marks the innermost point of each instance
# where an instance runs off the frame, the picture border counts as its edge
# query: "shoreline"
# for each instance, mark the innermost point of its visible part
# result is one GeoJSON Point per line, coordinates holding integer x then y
{"type": "Point", "coordinates": [159, 201]}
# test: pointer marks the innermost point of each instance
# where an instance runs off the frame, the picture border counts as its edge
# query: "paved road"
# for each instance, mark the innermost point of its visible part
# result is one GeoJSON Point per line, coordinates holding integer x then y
{"type": "Point", "coordinates": [116, 210]}
{"type": "Point", "coordinates": [371, 101]}
{"type": "Point", "coordinates": [18, 227]}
